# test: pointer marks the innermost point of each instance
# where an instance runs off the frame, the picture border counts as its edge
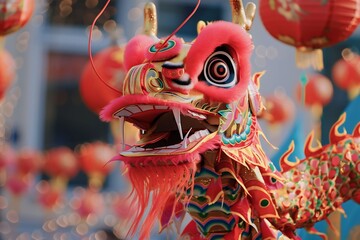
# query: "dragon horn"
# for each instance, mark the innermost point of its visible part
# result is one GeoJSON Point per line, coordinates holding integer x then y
{"type": "Point", "coordinates": [241, 16]}
{"type": "Point", "coordinates": [150, 20]}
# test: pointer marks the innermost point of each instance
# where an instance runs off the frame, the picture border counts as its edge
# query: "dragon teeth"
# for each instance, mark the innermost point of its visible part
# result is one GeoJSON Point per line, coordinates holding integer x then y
{"type": "Point", "coordinates": [204, 133]}
{"type": "Point", "coordinates": [197, 115]}
{"type": "Point", "coordinates": [184, 142]}
{"type": "Point", "coordinates": [177, 117]}
{"type": "Point", "coordinates": [183, 145]}
{"type": "Point", "coordinates": [198, 135]}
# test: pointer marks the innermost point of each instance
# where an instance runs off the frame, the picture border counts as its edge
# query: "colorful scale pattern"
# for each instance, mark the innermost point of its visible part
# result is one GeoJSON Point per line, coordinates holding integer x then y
{"type": "Point", "coordinates": [243, 136]}
{"type": "Point", "coordinates": [215, 217]}
{"type": "Point", "coordinates": [318, 185]}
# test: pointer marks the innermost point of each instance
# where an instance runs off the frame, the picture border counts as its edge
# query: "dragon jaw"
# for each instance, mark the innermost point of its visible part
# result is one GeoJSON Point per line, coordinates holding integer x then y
{"type": "Point", "coordinates": [172, 133]}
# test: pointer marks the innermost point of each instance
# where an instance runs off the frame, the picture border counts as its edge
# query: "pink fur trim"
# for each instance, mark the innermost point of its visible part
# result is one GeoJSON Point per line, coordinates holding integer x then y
{"type": "Point", "coordinates": [135, 50]}
{"type": "Point", "coordinates": [212, 36]}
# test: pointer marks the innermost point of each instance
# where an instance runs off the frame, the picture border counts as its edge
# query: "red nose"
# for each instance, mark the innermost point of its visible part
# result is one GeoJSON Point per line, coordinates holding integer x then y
{"type": "Point", "coordinates": [173, 73]}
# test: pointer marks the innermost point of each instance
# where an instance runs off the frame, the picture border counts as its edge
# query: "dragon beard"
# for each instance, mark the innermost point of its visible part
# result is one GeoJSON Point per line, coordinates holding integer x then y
{"type": "Point", "coordinates": [154, 188]}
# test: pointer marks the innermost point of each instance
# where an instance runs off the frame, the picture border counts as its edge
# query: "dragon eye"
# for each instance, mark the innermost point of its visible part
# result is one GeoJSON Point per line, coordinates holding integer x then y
{"type": "Point", "coordinates": [219, 70]}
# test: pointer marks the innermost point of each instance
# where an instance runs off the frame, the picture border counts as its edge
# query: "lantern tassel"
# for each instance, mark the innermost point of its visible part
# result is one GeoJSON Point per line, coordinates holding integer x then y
{"type": "Point", "coordinates": [309, 58]}
{"type": "Point", "coordinates": [353, 92]}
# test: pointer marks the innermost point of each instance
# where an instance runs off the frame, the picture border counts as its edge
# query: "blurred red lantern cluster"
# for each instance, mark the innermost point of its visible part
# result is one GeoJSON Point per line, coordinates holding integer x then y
{"type": "Point", "coordinates": [8, 71]}
{"type": "Point", "coordinates": [109, 64]}
{"type": "Point", "coordinates": [308, 25]}
{"type": "Point", "coordinates": [21, 172]}
{"type": "Point", "coordinates": [94, 160]}
{"type": "Point", "coordinates": [346, 74]}
{"type": "Point", "coordinates": [61, 162]}
{"type": "Point", "coordinates": [14, 15]}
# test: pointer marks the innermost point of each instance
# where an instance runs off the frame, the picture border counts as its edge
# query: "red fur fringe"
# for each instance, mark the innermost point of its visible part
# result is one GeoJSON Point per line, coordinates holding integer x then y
{"type": "Point", "coordinates": [152, 188]}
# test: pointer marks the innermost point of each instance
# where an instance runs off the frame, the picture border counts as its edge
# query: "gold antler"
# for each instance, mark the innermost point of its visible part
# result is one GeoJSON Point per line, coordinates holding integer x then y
{"type": "Point", "coordinates": [240, 16]}
{"type": "Point", "coordinates": [150, 19]}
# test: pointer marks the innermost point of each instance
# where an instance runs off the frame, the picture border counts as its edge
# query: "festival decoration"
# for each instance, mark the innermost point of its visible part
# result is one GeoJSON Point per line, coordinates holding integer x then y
{"type": "Point", "coordinates": [310, 25]}
{"type": "Point", "coordinates": [8, 71]}
{"type": "Point", "coordinates": [200, 152]}
{"type": "Point", "coordinates": [14, 14]}
{"type": "Point", "coordinates": [346, 73]}
{"type": "Point", "coordinates": [29, 161]}
{"type": "Point", "coordinates": [94, 160]}
{"type": "Point", "coordinates": [96, 92]}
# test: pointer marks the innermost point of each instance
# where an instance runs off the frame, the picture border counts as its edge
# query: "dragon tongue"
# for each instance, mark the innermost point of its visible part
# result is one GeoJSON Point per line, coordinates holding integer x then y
{"type": "Point", "coordinates": [151, 138]}
{"type": "Point", "coordinates": [177, 117]}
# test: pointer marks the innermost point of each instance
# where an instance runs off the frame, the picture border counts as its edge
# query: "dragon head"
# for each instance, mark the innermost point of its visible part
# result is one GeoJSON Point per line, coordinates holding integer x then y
{"type": "Point", "coordinates": [188, 97]}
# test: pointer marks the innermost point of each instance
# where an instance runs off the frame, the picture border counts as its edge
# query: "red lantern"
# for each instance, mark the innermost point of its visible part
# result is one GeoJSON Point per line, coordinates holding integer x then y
{"type": "Point", "coordinates": [279, 109]}
{"type": "Point", "coordinates": [94, 158]}
{"type": "Point", "coordinates": [14, 14]}
{"type": "Point", "coordinates": [346, 74]}
{"type": "Point", "coordinates": [109, 64]}
{"type": "Point", "coordinates": [318, 91]}
{"type": "Point", "coordinates": [8, 71]}
{"type": "Point", "coordinates": [29, 161]}
{"type": "Point", "coordinates": [61, 162]}
{"type": "Point", "coordinates": [309, 25]}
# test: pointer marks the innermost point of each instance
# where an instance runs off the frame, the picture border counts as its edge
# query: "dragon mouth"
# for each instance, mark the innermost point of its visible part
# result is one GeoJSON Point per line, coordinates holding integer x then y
{"type": "Point", "coordinates": [168, 132]}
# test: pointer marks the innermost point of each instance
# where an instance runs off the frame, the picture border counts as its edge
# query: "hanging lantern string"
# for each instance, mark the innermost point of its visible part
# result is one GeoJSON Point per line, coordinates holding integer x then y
{"type": "Point", "coordinates": [90, 51]}
{"type": "Point", "coordinates": [176, 30]}
{"type": "Point", "coordinates": [303, 81]}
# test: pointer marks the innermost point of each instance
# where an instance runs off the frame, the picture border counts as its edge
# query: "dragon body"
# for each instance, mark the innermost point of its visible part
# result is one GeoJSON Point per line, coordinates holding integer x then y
{"type": "Point", "coordinates": [199, 152]}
